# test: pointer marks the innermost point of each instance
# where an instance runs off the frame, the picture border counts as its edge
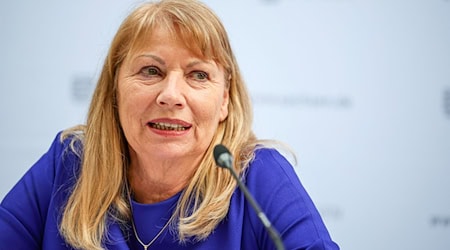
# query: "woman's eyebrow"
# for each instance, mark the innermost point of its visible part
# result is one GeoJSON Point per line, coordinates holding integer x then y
{"type": "Point", "coordinates": [156, 58]}
{"type": "Point", "coordinates": [198, 61]}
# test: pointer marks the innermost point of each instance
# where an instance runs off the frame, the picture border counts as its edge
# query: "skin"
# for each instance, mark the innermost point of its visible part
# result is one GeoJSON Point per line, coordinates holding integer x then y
{"type": "Point", "coordinates": [164, 82]}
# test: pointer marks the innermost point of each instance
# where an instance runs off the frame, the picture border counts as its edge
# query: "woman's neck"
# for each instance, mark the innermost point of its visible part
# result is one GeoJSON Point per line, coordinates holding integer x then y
{"type": "Point", "coordinates": [151, 183]}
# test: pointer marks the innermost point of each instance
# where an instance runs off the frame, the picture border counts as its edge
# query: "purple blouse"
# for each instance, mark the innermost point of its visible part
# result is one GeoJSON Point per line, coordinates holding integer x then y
{"type": "Point", "coordinates": [30, 212]}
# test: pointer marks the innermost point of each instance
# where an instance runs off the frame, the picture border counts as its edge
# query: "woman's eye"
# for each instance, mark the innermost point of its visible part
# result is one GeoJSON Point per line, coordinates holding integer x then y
{"type": "Point", "coordinates": [199, 75]}
{"type": "Point", "coordinates": [150, 71]}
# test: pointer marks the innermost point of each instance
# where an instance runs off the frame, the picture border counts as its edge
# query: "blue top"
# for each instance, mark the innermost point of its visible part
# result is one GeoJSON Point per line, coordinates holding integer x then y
{"type": "Point", "coordinates": [30, 211]}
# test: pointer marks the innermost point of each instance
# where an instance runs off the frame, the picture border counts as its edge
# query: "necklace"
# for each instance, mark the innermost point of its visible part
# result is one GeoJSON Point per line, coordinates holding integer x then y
{"type": "Point", "coordinates": [145, 246]}
{"type": "Point", "coordinates": [154, 238]}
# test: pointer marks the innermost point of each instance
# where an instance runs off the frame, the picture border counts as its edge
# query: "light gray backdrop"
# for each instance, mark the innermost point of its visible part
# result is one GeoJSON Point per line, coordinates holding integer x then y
{"type": "Point", "coordinates": [359, 88]}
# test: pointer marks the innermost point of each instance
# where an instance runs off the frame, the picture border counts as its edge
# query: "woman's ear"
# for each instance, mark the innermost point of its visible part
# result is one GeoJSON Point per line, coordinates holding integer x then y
{"type": "Point", "coordinates": [224, 107]}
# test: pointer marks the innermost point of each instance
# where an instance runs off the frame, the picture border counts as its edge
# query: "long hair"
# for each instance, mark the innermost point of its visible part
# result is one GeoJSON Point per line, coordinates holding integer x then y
{"type": "Point", "coordinates": [99, 192]}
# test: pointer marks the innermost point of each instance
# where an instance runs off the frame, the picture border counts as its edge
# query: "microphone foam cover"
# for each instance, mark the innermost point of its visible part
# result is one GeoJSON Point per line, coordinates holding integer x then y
{"type": "Point", "coordinates": [220, 149]}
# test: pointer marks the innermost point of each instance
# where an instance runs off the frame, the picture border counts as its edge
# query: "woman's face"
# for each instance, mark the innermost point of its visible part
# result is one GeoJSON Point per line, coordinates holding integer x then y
{"type": "Point", "coordinates": [170, 100]}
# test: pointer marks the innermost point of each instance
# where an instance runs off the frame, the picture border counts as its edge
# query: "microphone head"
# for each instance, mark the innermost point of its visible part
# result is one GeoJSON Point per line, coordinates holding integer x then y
{"type": "Point", "coordinates": [222, 156]}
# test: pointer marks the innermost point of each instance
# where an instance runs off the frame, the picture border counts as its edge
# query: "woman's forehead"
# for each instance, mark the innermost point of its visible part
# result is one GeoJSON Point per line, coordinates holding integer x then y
{"type": "Point", "coordinates": [145, 43]}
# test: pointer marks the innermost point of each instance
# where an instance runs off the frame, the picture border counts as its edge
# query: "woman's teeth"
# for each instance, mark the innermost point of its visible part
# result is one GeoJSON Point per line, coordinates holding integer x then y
{"type": "Point", "coordinates": [167, 126]}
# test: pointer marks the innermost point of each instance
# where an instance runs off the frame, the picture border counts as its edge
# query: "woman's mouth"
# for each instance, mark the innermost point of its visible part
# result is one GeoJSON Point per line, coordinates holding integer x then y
{"type": "Point", "coordinates": [167, 126]}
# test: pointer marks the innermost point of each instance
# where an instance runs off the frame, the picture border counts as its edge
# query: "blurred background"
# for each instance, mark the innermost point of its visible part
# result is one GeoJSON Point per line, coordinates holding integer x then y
{"type": "Point", "coordinates": [359, 88]}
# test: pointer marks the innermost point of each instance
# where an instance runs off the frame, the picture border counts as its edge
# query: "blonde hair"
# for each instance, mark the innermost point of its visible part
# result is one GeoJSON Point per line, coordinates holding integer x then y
{"type": "Point", "coordinates": [100, 189]}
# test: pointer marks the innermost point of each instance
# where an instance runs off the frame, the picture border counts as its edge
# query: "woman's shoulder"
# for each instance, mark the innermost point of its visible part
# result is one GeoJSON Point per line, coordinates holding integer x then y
{"type": "Point", "coordinates": [272, 162]}
{"type": "Point", "coordinates": [41, 191]}
{"type": "Point", "coordinates": [60, 165]}
{"type": "Point", "coordinates": [71, 139]}
{"type": "Point", "coordinates": [269, 153]}
{"type": "Point", "coordinates": [269, 171]}
{"type": "Point", "coordinates": [61, 160]}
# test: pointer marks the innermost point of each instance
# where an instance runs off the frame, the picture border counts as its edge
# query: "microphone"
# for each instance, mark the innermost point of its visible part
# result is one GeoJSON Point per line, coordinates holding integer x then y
{"type": "Point", "coordinates": [224, 159]}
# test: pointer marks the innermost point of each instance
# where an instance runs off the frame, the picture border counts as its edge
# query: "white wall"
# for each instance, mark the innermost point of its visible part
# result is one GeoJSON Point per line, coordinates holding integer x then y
{"type": "Point", "coordinates": [359, 88]}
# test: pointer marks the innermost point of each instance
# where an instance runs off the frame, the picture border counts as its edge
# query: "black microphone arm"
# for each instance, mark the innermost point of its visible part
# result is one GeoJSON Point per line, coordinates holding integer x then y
{"type": "Point", "coordinates": [224, 159]}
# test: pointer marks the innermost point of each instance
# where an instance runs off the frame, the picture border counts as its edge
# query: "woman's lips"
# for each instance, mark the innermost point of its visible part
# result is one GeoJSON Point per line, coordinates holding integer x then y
{"type": "Point", "coordinates": [169, 125]}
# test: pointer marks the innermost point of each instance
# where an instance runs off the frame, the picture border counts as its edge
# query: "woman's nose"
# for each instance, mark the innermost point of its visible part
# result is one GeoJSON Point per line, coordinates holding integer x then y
{"type": "Point", "coordinates": [171, 92]}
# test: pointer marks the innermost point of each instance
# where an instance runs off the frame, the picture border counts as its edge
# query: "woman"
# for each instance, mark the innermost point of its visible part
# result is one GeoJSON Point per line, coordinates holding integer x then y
{"type": "Point", "coordinates": [140, 174]}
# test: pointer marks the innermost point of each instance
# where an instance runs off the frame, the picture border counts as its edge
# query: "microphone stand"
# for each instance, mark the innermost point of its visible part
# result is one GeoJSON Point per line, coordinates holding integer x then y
{"type": "Point", "coordinates": [223, 159]}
